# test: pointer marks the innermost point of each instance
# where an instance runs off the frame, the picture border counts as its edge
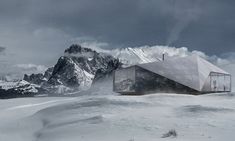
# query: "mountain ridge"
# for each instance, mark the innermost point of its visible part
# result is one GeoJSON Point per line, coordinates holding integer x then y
{"type": "Point", "coordinates": [81, 67]}
{"type": "Point", "coordinates": [74, 71]}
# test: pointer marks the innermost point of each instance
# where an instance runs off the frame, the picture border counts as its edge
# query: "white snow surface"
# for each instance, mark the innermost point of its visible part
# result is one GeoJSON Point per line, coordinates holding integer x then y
{"type": "Point", "coordinates": [110, 117]}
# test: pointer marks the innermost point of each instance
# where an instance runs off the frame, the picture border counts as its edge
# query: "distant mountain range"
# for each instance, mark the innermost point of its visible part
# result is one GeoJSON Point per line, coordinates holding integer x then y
{"type": "Point", "coordinates": [74, 71]}
{"type": "Point", "coordinates": [80, 68]}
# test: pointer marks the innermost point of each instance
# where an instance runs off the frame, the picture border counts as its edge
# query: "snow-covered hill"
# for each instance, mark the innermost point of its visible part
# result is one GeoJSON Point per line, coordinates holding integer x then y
{"type": "Point", "coordinates": [119, 118]}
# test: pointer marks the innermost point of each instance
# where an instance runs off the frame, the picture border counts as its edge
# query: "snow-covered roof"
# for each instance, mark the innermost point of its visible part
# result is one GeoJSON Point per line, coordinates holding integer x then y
{"type": "Point", "coordinates": [191, 71]}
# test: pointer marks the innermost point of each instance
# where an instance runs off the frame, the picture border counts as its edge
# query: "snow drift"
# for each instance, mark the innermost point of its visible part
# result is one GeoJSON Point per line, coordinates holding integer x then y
{"type": "Point", "coordinates": [119, 118]}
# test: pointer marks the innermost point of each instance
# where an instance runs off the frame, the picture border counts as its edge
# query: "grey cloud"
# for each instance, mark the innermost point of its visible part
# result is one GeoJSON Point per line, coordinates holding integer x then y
{"type": "Point", "coordinates": [184, 12]}
{"type": "Point", "coordinates": [47, 26]}
{"type": "Point", "coordinates": [2, 49]}
{"type": "Point", "coordinates": [139, 22]}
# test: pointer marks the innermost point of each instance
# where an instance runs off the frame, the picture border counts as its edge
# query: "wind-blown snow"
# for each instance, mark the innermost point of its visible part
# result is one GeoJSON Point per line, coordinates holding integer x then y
{"type": "Point", "coordinates": [118, 118]}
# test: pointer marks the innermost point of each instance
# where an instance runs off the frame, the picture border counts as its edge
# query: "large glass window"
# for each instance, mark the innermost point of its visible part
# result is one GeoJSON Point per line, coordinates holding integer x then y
{"type": "Point", "coordinates": [220, 82]}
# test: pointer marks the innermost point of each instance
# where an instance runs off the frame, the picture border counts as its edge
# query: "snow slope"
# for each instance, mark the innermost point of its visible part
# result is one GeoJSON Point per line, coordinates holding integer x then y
{"type": "Point", "coordinates": [119, 118]}
{"type": "Point", "coordinates": [146, 54]}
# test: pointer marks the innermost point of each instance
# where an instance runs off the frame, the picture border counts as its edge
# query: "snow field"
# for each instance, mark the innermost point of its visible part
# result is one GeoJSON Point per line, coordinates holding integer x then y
{"type": "Point", "coordinates": [119, 118]}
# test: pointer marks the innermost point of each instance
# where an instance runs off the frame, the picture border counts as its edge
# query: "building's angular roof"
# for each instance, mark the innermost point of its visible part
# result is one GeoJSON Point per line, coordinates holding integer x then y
{"type": "Point", "coordinates": [191, 71]}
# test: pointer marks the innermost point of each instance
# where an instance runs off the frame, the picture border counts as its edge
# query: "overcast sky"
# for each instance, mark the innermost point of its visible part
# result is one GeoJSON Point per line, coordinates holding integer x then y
{"type": "Point", "coordinates": [37, 31]}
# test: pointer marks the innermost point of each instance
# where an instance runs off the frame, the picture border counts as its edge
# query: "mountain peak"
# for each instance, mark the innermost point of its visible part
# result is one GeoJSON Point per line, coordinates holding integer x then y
{"type": "Point", "coordinates": [76, 48]}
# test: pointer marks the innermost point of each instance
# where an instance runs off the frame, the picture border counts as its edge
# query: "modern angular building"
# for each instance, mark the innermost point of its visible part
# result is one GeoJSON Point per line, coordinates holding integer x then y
{"type": "Point", "coordinates": [188, 75]}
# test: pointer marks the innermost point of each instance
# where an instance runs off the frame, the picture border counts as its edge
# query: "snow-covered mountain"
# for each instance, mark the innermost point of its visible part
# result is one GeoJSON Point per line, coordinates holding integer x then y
{"type": "Point", "coordinates": [145, 54]}
{"type": "Point", "coordinates": [19, 88]}
{"type": "Point", "coordinates": [80, 67]}
{"type": "Point", "coordinates": [74, 71]}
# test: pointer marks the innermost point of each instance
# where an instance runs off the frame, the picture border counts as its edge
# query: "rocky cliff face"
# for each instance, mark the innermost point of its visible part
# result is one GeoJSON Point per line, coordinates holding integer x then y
{"type": "Point", "coordinates": [76, 70]}
{"type": "Point", "coordinates": [39, 78]}
{"type": "Point", "coordinates": [34, 78]}
{"type": "Point", "coordinates": [20, 88]}
{"type": "Point", "coordinates": [78, 66]}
